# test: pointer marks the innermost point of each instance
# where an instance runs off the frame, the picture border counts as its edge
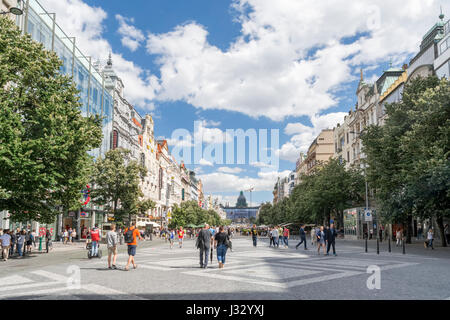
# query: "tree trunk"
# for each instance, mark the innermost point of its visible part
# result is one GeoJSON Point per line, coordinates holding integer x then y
{"type": "Point", "coordinates": [440, 222]}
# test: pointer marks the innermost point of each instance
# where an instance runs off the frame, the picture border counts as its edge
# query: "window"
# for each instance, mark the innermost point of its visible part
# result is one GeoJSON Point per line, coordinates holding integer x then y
{"type": "Point", "coordinates": [348, 156]}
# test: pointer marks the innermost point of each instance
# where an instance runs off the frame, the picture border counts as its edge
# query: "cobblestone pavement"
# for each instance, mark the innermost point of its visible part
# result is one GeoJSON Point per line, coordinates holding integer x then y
{"type": "Point", "coordinates": [250, 273]}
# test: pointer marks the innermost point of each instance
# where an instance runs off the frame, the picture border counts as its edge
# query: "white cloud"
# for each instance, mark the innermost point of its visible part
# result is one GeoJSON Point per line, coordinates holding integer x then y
{"type": "Point", "coordinates": [303, 135]}
{"type": "Point", "coordinates": [204, 162]}
{"type": "Point", "coordinates": [290, 57]}
{"type": "Point", "coordinates": [131, 36]}
{"type": "Point", "coordinates": [226, 182]}
{"type": "Point", "coordinates": [86, 23]}
{"type": "Point", "coordinates": [230, 170]}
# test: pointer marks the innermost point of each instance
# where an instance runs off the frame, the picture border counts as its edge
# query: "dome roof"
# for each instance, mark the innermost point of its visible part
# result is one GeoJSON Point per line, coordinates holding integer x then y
{"type": "Point", "coordinates": [241, 201]}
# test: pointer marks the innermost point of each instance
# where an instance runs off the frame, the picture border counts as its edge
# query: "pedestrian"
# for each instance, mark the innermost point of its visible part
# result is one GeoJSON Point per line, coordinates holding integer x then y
{"type": "Point", "coordinates": [20, 243]}
{"type": "Point", "coordinates": [221, 244]}
{"type": "Point", "coordinates": [5, 241]}
{"type": "Point", "coordinates": [320, 240]}
{"type": "Point", "coordinates": [313, 236]}
{"type": "Point", "coordinates": [74, 235]}
{"type": "Point", "coordinates": [275, 236]}
{"type": "Point", "coordinates": [28, 241]}
{"type": "Point", "coordinates": [430, 238]}
{"type": "Point", "coordinates": [131, 234]}
{"type": "Point", "coordinates": [419, 233]}
{"type": "Point", "coordinates": [254, 233]}
{"type": "Point", "coordinates": [12, 243]}
{"type": "Point", "coordinates": [271, 240]}
{"type": "Point", "coordinates": [203, 244]}
{"type": "Point", "coordinates": [398, 237]}
{"type": "Point", "coordinates": [302, 235]}
{"type": "Point", "coordinates": [331, 238]}
{"type": "Point", "coordinates": [70, 235]}
{"type": "Point", "coordinates": [286, 237]}
{"type": "Point", "coordinates": [447, 233]}
{"type": "Point", "coordinates": [171, 237]}
{"type": "Point", "coordinates": [66, 236]}
{"type": "Point", "coordinates": [180, 237]}
{"type": "Point", "coordinates": [95, 238]}
{"type": "Point", "coordinates": [48, 240]}
{"type": "Point", "coordinates": [112, 241]}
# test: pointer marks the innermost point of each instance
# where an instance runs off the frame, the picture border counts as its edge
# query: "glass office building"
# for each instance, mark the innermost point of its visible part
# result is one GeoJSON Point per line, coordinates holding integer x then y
{"type": "Point", "coordinates": [94, 98]}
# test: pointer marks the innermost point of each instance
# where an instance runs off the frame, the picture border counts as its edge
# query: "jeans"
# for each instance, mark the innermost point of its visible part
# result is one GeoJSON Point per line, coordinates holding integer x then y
{"type": "Point", "coordinates": [94, 250]}
{"type": "Point", "coordinates": [303, 240]}
{"type": "Point", "coordinates": [221, 253]}
{"type": "Point", "coordinates": [286, 241]}
{"type": "Point", "coordinates": [11, 250]}
{"type": "Point", "coordinates": [430, 243]}
{"type": "Point", "coordinates": [19, 249]}
{"type": "Point", "coordinates": [275, 242]}
{"type": "Point", "coordinates": [204, 252]}
{"type": "Point", "coordinates": [331, 243]}
{"type": "Point", "coordinates": [255, 241]}
{"type": "Point", "coordinates": [272, 241]}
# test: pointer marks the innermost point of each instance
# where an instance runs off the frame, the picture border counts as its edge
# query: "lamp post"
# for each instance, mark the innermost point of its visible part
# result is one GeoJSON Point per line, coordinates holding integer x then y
{"type": "Point", "coordinates": [367, 189]}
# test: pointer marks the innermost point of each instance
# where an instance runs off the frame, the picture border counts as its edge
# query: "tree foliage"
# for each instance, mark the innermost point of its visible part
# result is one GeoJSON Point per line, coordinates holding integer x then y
{"type": "Point", "coordinates": [325, 193]}
{"type": "Point", "coordinates": [44, 139]}
{"type": "Point", "coordinates": [408, 157]}
{"type": "Point", "coordinates": [189, 212]}
{"type": "Point", "coordinates": [116, 180]}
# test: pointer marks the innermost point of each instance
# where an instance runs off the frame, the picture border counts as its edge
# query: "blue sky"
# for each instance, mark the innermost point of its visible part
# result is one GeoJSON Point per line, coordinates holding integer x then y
{"type": "Point", "coordinates": [289, 65]}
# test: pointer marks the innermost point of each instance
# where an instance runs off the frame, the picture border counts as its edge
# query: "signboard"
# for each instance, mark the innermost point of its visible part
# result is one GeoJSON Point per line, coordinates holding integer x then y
{"type": "Point", "coordinates": [368, 215]}
{"type": "Point", "coordinates": [42, 231]}
{"type": "Point", "coordinates": [84, 214]}
{"type": "Point", "coordinates": [71, 214]}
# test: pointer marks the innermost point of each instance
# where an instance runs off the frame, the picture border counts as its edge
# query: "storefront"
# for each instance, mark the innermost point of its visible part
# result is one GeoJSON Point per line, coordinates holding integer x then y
{"type": "Point", "coordinates": [357, 223]}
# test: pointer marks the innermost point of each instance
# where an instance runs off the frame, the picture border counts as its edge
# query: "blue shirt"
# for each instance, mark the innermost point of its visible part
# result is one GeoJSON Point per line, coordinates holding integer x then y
{"type": "Point", "coordinates": [212, 231]}
{"type": "Point", "coordinates": [6, 240]}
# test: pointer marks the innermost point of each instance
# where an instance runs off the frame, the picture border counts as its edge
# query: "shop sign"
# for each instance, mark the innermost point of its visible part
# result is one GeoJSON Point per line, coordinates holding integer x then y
{"type": "Point", "coordinates": [368, 215]}
{"type": "Point", "coordinates": [71, 214]}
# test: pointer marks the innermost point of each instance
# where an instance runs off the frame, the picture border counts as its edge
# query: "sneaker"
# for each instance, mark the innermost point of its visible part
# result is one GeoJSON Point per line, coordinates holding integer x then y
{"type": "Point", "coordinates": [326, 254]}
{"type": "Point", "coordinates": [114, 266]}
{"type": "Point", "coordinates": [334, 254]}
{"type": "Point", "coordinates": [109, 268]}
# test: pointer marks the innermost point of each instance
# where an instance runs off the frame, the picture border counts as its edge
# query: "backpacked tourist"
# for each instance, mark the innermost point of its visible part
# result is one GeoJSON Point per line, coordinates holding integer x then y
{"type": "Point", "coordinates": [221, 244]}
{"type": "Point", "coordinates": [204, 244]}
{"type": "Point", "coordinates": [131, 234]}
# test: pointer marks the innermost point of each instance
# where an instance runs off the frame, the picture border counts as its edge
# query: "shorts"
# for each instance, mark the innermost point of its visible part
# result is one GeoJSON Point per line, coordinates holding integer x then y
{"type": "Point", "coordinates": [132, 250]}
{"type": "Point", "coordinates": [180, 239]}
{"type": "Point", "coordinates": [112, 250]}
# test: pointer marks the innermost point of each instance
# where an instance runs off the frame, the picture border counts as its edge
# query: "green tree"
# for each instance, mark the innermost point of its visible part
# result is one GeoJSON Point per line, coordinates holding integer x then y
{"type": "Point", "coordinates": [44, 138]}
{"type": "Point", "coordinates": [116, 180]}
{"type": "Point", "coordinates": [408, 158]}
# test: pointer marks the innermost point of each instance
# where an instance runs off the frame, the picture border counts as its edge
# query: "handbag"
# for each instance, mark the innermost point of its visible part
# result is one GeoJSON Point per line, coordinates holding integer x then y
{"type": "Point", "coordinates": [229, 244]}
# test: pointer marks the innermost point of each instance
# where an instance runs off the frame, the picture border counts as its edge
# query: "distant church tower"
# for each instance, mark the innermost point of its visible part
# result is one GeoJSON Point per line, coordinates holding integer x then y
{"type": "Point", "coordinates": [241, 202]}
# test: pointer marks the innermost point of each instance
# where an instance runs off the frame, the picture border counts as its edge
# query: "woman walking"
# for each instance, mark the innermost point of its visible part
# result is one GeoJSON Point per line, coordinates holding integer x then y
{"type": "Point", "coordinates": [430, 238]}
{"type": "Point", "coordinates": [321, 241]}
{"type": "Point", "coordinates": [171, 238]}
{"type": "Point", "coordinates": [221, 239]}
{"type": "Point", "coordinates": [398, 236]}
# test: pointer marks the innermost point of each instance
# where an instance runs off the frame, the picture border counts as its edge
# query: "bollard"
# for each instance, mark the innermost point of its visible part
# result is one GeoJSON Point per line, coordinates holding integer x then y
{"type": "Point", "coordinates": [378, 246]}
{"type": "Point", "coordinates": [389, 244]}
{"type": "Point", "coordinates": [366, 244]}
{"type": "Point", "coordinates": [403, 243]}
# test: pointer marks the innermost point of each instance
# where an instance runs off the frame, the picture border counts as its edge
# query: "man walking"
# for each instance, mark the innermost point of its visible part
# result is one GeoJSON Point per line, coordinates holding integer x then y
{"type": "Point", "coordinates": [5, 241]}
{"type": "Point", "coordinates": [286, 237]}
{"type": "Point", "coordinates": [204, 245]}
{"type": "Point", "coordinates": [254, 233]}
{"type": "Point", "coordinates": [302, 237]}
{"type": "Point", "coordinates": [131, 235]}
{"type": "Point", "coordinates": [180, 237]}
{"type": "Point", "coordinates": [331, 237]}
{"type": "Point", "coordinates": [271, 238]}
{"type": "Point", "coordinates": [275, 235]}
{"type": "Point", "coordinates": [95, 238]}
{"type": "Point", "coordinates": [112, 241]}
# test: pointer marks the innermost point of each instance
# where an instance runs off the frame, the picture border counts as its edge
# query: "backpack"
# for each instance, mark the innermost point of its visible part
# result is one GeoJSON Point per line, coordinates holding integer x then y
{"type": "Point", "coordinates": [128, 236]}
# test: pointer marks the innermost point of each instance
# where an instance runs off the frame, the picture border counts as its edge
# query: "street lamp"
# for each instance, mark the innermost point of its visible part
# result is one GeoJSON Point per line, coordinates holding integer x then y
{"type": "Point", "coordinates": [367, 188]}
{"type": "Point", "coordinates": [14, 10]}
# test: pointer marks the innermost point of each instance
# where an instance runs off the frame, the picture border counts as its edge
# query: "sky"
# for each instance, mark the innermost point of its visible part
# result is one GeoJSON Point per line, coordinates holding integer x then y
{"type": "Point", "coordinates": [290, 67]}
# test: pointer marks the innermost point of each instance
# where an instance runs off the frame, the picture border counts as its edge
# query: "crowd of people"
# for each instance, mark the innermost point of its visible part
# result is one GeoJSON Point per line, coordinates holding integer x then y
{"type": "Point", "coordinates": [20, 242]}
